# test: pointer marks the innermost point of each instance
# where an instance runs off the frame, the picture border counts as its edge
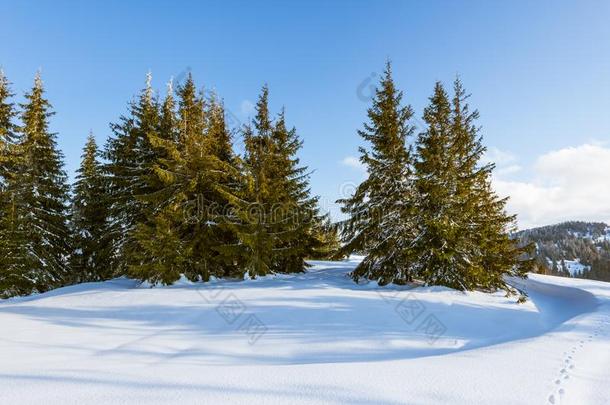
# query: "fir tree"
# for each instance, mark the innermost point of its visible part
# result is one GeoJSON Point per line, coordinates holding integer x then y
{"type": "Point", "coordinates": [278, 221]}
{"type": "Point", "coordinates": [92, 259]}
{"type": "Point", "coordinates": [13, 256]}
{"type": "Point", "coordinates": [155, 236]}
{"type": "Point", "coordinates": [8, 132]}
{"type": "Point", "coordinates": [39, 194]}
{"type": "Point", "coordinates": [440, 258]}
{"type": "Point", "coordinates": [253, 207]}
{"type": "Point", "coordinates": [131, 157]}
{"type": "Point", "coordinates": [295, 211]}
{"type": "Point", "coordinates": [381, 210]}
{"type": "Point", "coordinates": [197, 175]}
{"type": "Point", "coordinates": [329, 241]}
{"type": "Point", "coordinates": [463, 240]}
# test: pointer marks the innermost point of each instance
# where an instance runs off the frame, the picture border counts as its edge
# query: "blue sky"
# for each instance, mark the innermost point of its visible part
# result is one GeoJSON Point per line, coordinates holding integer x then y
{"type": "Point", "coordinates": [539, 72]}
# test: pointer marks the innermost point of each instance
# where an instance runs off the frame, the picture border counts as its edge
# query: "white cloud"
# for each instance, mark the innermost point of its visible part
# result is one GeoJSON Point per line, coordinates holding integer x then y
{"type": "Point", "coordinates": [247, 108]}
{"type": "Point", "coordinates": [504, 161]}
{"type": "Point", "coordinates": [497, 156]}
{"type": "Point", "coordinates": [353, 162]}
{"type": "Point", "coordinates": [566, 184]}
{"type": "Point", "coordinates": [505, 171]}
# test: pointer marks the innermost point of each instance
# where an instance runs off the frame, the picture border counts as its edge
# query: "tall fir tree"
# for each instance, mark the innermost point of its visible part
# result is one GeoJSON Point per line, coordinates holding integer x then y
{"type": "Point", "coordinates": [254, 223]}
{"type": "Point", "coordinates": [278, 220]}
{"type": "Point", "coordinates": [296, 214]}
{"type": "Point", "coordinates": [8, 131]}
{"type": "Point", "coordinates": [39, 234]}
{"type": "Point", "coordinates": [198, 174]}
{"type": "Point", "coordinates": [93, 256]}
{"type": "Point", "coordinates": [381, 210]}
{"type": "Point", "coordinates": [437, 247]}
{"type": "Point", "coordinates": [464, 240]}
{"type": "Point", "coordinates": [13, 258]}
{"type": "Point", "coordinates": [131, 158]}
{"type": "Point", "coordinates": [487, 226]}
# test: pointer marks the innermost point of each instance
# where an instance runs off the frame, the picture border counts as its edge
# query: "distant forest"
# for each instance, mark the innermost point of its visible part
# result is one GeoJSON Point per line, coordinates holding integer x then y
{"type": "Point", "coordinates": [585, 242]}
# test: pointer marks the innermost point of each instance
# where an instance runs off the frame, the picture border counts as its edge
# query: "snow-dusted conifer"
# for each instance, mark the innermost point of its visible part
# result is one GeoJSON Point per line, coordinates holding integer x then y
{"type": "Point", "coordinates": [92, 258]}
{"type": "Point", "coordinates": [381, 225]}
{"type": "Point", "coordinates": [39, 237]}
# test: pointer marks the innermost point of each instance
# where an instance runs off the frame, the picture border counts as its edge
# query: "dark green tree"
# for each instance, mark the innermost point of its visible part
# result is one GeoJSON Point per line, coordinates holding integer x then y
{"type": "Point", "coordinates": [131, 159]}
{"type": "Point", "coordinates": [295, 212]}
{"type": "Point", "coordinates": [8, 131]}
{"type": "Point", "coordinates": [463, 231]}
{"type": "Point", "coordinates": [92, 259]}
{"type": "Point", "coordinates": [188, 212]}
{"type": "Point", "coordinates": [381, 211]}
{"type": "Point", "coordinates": [14, 260]}
{"type": "Point", "coordinates": [39, 197]}
{"type": "Point", "coordinates": [255, 196]}
{"type": "Point", "coordinates": [277, 219]}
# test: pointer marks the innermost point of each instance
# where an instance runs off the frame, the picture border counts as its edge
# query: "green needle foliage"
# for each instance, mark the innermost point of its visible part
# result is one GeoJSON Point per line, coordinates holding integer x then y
{"type": "Point", "coordinates": [430, 215]}
{"type": "Point", "coordinates": [36, 235]}
{"type": "Point", "coordinates": [381, 211]}
{"type": "Point", "coordinates": [172, 198]}
{"type": "Point", "coordinates": [93, 256]}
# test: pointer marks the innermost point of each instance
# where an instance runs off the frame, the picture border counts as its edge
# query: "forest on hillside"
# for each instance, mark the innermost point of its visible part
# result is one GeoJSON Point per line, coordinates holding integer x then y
{"type": "Point", "coordinates": [571, 249]}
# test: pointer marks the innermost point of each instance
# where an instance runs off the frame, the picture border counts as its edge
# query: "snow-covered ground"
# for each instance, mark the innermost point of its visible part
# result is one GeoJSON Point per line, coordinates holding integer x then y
{"type": "Point", "coordinates": [575, 267]}
{"type": "Point", "coordinates": [310, 338]}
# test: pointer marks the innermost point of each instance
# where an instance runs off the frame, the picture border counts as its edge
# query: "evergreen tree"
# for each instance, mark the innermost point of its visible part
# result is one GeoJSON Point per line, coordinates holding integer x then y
{"type": "Point", "coordinates": [198, 175]}
{"type": "Point", "coordinates": [157, 254]}
{"type": "Point", "coordinates": [216, 189]}
{"type": "Point", "coordinates": [255, 196]}
{"type": "Point", "coordinates": [39, 235]}
{"type": "Point", "coordinates": [92, 259]}
{"type": "Point", "coordinates": [131, 158]}
{"type": "Point", "coordinates": [295, 212]}
{"type": "Point", "coordinates": [278, 221]}
{"type": "Point", "coordinates": [464, 234]}
{"type": "Point", "coordinates": [381, 210]}
{"type": "Point", "coordinates": [8, 132]}
{"type": "Point", "coordinates": [440, 259]}
{"type": "Point", "coordinates": [13, 258]}
{"type": "Point", "coordinates": [329, 241]}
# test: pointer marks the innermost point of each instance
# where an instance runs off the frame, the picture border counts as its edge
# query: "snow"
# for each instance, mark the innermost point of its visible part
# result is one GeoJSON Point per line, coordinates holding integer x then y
{"type": "Point", "coordinates": [309, 338]}
{"type": "Point", "coordinates": [575, 267]}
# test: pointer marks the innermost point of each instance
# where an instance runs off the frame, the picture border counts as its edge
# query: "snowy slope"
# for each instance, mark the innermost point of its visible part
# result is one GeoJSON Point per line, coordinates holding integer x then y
{"type": "Point", "coordinates": [575, 267]}
{"type": "Point", "coordinates": [310, 338]}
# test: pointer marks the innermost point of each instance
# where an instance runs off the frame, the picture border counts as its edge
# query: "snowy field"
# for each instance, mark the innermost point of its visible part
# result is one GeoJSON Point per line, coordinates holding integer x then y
{"type": "Point", "coordinates": [310, 338]}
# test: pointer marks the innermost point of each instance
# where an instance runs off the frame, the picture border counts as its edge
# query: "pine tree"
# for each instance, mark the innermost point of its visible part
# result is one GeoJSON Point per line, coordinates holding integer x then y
{"type": "Point", "coordinates": [464, 233]}
{"type": "Point", "coordinates": [39, 194]}
{"type": "Point", "coordinates": [329, 241]}
{"type": "Point", "coordinates": [8, 131]}
{"type": "Point", "coordinates": [158, 254]}
{"type": "Point", "coordinates": [218, 186]}
{"type": "Point", "coordinates": [276, 219]}
{"type": "Point", "coordinates": [131, 157]}
{"type": "Point", "coordinates": [439, 231]}
{"type": "Point", "coordinates": [92, 259]}
{"type": "Point", "coordinates": [255, 196]}
{"type": "Point", "coordinates": [197, 176]}
{"type": "Point", "coordinates": [295, 212]}
{"type": "Point", "coordinates": [13, 256]}
{"type": "Point", "coordinates": [207, 180]}
{"type": "Point", "coordinates": [381, 210]}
